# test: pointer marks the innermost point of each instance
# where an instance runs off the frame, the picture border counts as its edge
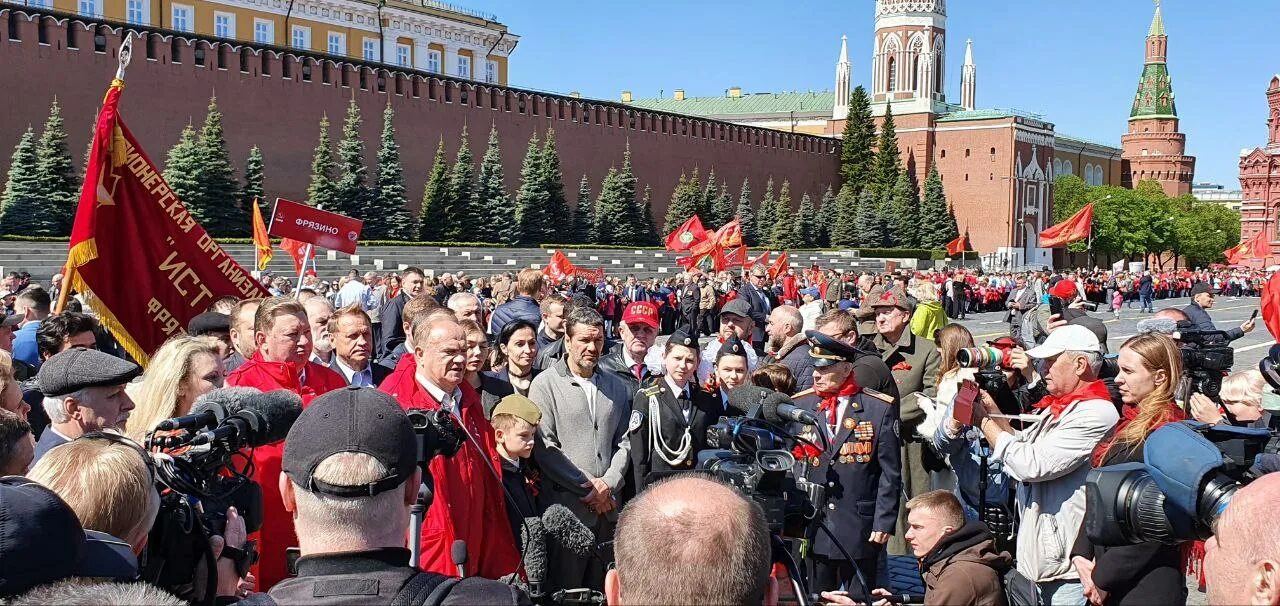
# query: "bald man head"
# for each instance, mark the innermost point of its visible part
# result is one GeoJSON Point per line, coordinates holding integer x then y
{"type": "Point", "coordinates": [724, 556]}
{"type": "Point", "coordinates": [1242, 559]}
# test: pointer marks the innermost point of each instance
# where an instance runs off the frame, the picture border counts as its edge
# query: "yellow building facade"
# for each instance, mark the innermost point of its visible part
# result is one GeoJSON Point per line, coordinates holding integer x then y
{"type": "Point", "coordinates": [428, 35]}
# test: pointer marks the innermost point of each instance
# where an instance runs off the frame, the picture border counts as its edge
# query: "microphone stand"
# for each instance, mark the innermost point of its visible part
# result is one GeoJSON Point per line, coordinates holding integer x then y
{"type": "Point", "coordinates": [417, 513]}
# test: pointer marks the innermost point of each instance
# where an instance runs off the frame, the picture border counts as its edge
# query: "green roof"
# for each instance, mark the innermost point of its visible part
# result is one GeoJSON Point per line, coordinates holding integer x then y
{"type": "Point", "coordinates": [756, 103]}
{"type": "Point", "coordinates": [1081, 141]}
{"type": "Point", "coordinates": [990, 113]}
{"type": "Point", "coordinates": [1155, 94]}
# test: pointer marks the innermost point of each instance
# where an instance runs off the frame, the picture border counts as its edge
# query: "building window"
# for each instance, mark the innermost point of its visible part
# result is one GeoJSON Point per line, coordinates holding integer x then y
{"type": "Point", "coordinates": [893, 75]}
{"type": "Point", "coordinates": [182, 17]}
{"type": "Point", "coordinates": [301, 37]}
{"type": "Point", "coordinates": [1066, 168]}
{"type": "Point", "coordinates": [136, 12]}
{"type": "Point", "coordinates": [224, 25]}
{"type": "Point", "coordinates": [491, 71]}
{"type": "Point", "coordinates": [404, 55]}
{"type": "Point", "coordinates": [433, 61]}
{"type": "Point", "coordinates": [464, 66]}
{"type": "Point", "coordinates": [337, 44]}
{"type": "Point", "coordinates": [90, 8]}
{"type": "Point", "coordinates": [1057, 167]}
{"type": "Point", "coordinates": [263, 31]}
{"type": "Point", "coordinates": [370, 48]}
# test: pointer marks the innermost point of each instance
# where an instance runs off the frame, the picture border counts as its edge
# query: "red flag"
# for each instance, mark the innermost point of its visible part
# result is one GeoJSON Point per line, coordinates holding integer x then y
{"type": "Point", "coordinates": [779, 266]}
{"type": "Point", "coordinates": [730, 234]}
{"type": "Point", "coordinates": [150, 266]}
{"type": "Point", "coordinates": [261, 241]}
{"type": "Point", "coordinates": [1271, 304]}
{"type": "Point", "coordinates": [737, 257]}
{"type": "Point", "coordinates": [688, 234]}
{"type": "Point", "coordinates": [1254, 248]}
{"type": "Point", "coordinates": [1235, 254]}
{"type": "Point", "coordinates": [559, 267]}
{"type": "Point", "coordinates": [957, 246]}
{"type": "Point", "coordinates": [1077, 227]}
{"type": "Point", "coordinates": [296, 249]}
{"type": "Point", "coordinates": [762, 260]}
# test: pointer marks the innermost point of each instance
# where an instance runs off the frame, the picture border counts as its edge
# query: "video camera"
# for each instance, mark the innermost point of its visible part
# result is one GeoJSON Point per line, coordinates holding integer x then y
{"type": "Point", "coordinates": [1189, 474]}
{"type": "Point", "coordinates": [1206, 358]}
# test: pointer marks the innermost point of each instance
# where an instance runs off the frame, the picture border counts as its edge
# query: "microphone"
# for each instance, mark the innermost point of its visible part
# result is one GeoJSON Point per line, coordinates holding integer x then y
{"type": "Point", "coordinates": [1164, 326]}
{"type": "Point", "coordinates": [565, 527]}
{"type": "Point", "coordinates": [459, 553]}
{"type": "Point", "coordinates": [534, 539]}
{"type": "Point", "coordinates": [264, 418]}
{"type": "Point", "coordinates": [775, 406]}
{"type": "Point", "coordinates": [211, 409]}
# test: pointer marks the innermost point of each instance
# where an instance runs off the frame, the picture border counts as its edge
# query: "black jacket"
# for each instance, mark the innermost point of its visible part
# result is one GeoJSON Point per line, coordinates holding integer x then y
{"type": "Point", "coordinates": [516, 480]}
{"type": "Point", "coordinates": [613, 363]}
{"type": "Point", "coordinates": [705, 412]}
{"type": "Point", "coordinates": [495, 386]}
{"type": "Point", "coordinates": [392, 324]}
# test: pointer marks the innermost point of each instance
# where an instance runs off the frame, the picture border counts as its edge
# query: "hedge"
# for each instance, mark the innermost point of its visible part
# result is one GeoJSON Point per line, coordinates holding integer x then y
{"type": "Point", "coordinates": [599, 247]}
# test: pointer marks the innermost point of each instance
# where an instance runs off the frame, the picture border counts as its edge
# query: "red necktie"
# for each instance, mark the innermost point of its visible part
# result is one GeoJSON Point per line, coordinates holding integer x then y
{"type": "Point", "coordinates": [639, 370]}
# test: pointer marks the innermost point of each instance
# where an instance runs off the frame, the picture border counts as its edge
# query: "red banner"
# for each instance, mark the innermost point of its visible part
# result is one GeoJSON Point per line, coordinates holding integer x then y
{"type": "Point", "coordinates": [957, 246]}
{"type": "Point", "coordinates": [688, 234]}
{"type": "Point", "coordinates": [297, 250]}
{"type": "Point", "coordinates": [322, 228]}
{"type": "Point", "coordinates": [779, 266]}
{"type": "Point", "coordinates": [261, 241]}
{"type": "Point", "coordinates": [149, 264]}
{"type": "Point", "coordinates": [1077, 227]}
{"type": "Point", "coordinates": [1271, 305]}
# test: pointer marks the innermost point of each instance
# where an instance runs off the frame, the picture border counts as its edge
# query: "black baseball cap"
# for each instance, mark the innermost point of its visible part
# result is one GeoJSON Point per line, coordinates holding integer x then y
{"type": "Point", "coordinates": [41, 541]}
{"type": "Point", "coordinates": [209, 322]}
{"type": "Point", "coordinates": [1203, 287]}
{"type": "Point", "coordinates": [355, 419]}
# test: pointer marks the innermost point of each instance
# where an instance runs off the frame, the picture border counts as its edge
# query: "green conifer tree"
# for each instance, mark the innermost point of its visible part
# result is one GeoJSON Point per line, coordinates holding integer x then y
{"type": "Point", "coordinates": [806, 222]}
{"type": "Point", "coordinates": [684, 204]}
{"type": "Point", "coordinates": [888, 162]}
{"type": "Point", "coordinates": [533, 198]}
{"type": "Point", "coordinates": [651, 237]}
{"type": "Point", "coordinates": [352, 184]}
{"type": "Point", "coordinates": [56, 174]}
{"type": "Point", "coordinates": [557, 205]}
{"type": "Point", "coordinates": [904, 230]}
{"type": "Point", "coordinates": [181, 165]}
{"type": "Point", "coordinates": [583, 215]}
{"type": "Point", "coordinates": [706, 204]}
{"type": "Point", "coordinates": [491, 199]}
{"type": "Point", "coordinates": [953, 228]}
{"type": "Point", "coordinates": [767, 214]}
{"type": "Point", "coordinates": [389, 205]}
{"type": "Point", "coordinates": [20, 208]}
{"type": "Point", "coordinates": [433, 214]}
{"type": "Point", "coordinates": [722, 208]}
{"type": "Point", "coordinates": [322, 193]}
{"type": "Point", "coordinates": [217, 207]}
{"type": "Point", "coordinates": [629, 231]}
{"type": "Point", "coordinates": [254, 176]}
{"type": "Point", "coordinates": [828, 212]}
{"type": "Point", "coordinates": [746, 216]}
{"type": "Point", "coordinates": [935, 225]}
{"type": "Point", "coordinates": [856, 154]}
{"type": "Point", "coordinates": [784, 234]}
{"type": "Point", "coordinates": [608, 207]}
{"type": "Point", "coordinates": [462, 184]}
{"type": "Point", "coordinates": [871, 221]}
{"type": "Point", "coordinates": [844, 232]}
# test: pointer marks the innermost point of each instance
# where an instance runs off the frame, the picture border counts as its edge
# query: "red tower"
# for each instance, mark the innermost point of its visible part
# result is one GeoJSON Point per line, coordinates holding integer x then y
{"type": "Point", "coordinates": [1260, 181]}
{"type": "Point", "coordinates": [1153, 149]}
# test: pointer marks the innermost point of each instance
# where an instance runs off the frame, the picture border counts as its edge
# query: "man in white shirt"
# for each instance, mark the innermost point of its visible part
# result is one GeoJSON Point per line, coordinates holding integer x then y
{"type": "Point", "coordinates": [735, 319]}
{"type": "Point", "coordinates": [355, 291]}
{"type": "Point", "coordinates": [352, 335]}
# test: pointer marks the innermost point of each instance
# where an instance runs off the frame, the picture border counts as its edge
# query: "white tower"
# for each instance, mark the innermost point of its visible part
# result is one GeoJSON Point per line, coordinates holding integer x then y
{"type": "Point", "coordinates": [908, 64]}
{"type": "Point", "coordinates": [843, 71]}
{"type": "Point", "coordinates": [968, 78]}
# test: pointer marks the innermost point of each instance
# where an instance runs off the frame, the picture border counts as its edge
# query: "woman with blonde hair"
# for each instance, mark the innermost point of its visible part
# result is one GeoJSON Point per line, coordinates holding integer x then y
{"type": "Point", "coordinates": [183, 369]}
{"type": "Point", "coordinates": [1146, 573]}
{"type": "Point", "coordinates": [1241, 396]}
{"type": "Point", "coordinates": [929, 316]}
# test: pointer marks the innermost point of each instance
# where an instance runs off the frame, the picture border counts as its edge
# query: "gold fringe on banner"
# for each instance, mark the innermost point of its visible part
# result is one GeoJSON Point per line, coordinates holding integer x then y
{"type": "Point", "coordinates": [110, 322]}
{"type": "Point", "coordinates": [82, 253]}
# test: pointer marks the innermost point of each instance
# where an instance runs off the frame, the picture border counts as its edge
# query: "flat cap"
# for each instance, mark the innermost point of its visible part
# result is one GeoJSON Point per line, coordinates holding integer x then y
{"type": "Point", "coordinates": [519, 407]}
{"type": "Point", "coordinates": [78, 368]}
{"type": "Point", "coordinates": [207, 322]}
{"type": "Point", "coordinates": [737, 307]}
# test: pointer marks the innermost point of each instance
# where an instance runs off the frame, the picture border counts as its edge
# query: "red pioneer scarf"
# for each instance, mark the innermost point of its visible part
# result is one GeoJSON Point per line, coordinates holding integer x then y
{"type": "Point", "coordinates": [1093, 390]}
{"type": "Point", "coordinates": [1172, 414]}
{"type": "Point", "coordinates": [149, 264]}
{"type": "Point", "coordinates": [831, 399]}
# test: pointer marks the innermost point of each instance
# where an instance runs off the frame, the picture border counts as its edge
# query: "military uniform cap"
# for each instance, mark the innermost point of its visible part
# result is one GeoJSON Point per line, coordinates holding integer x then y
{"type": "Point", "coordinates": [682, 337]}
{"type": "Point", "coordinates": [893, 297]}
{"type": "Point", "coordinates": [731, 347]}
{"type": "Point", "coordinates": [826, 350]}
{"type": "Point", "coordinates": [519, 407]}
{"type": "Point", "coordinates": [78, 368]}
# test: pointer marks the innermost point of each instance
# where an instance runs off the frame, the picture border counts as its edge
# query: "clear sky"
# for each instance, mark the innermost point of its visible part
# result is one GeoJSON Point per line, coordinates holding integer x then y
{"type": "Point", "coordinates": [1077, 63]}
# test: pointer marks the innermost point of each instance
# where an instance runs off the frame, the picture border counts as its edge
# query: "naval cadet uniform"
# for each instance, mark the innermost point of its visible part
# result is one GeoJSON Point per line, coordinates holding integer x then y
{"type": "Point", "coordinates": [861, 472]}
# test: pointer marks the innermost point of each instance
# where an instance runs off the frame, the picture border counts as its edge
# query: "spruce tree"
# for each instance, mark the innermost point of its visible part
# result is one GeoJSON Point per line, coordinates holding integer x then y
{"type": "Point", "coordinates": [706, 204]}
{"type": "Point", "coordinates": [462, 183]}
{"type": "Point", "coordinates": [253, 180]}
{"type": "Point", "coordinates": [583, 215]}
{"type": "Point", "coordinates": [722, 208]}
{"type": "Point", "coordinates": [684, 204]}
{"type": "Point", "coordinates": [904, 228]}
{"type": "Point", "coordinates": [746, 216]}
{"type": "Point", "coordinates": [826, 219]}
{"type": "Point", "coordinates": [936, 223]}
{"type": "Point", "coordinates": [887, 156]}
{"type": "Point", "coordinates": [844, 231]}
{"type": "Point", "coordinates": [352, 185]}
{"type": "Point", "coordinates": [322, 193]}
{"type": "Point", "coordinates": [871, 223]}
{"type": "Point", "coordinates": [181, 165]}
{"type": "Point", "coordinates": [557, 206]}
{"type": "Point", "coordinates": [767, 214]}
{"type": "Point", "coordinates": [389, 204]}
{"type": "Point", "coordinates": [491, 199]}
{"type": "Point", "coordinates": [20, 209]}
{"type": "Point", "coordinates": [629, 231]}
{"type": "Point", "coordinates": [56, 175]}
{"type": "Point", "coordinates": [433, 214]}
{"type": "Point", "coordinates": [650, 235]}
{"type": "Point", "coordinates": [856, 155]}
{"type": "Point", "coordinates": [783, 234]}
{"type": "Point", "coordinates": [806, 223]}
{"type": "Point", "coordinates": [533, 225]}
{"type": "Point", "coordinates": [608, 207]}
{"type": "Point", "coordinates": [217, 205]}
{"type": "Point", "coordinates": [953, 228]}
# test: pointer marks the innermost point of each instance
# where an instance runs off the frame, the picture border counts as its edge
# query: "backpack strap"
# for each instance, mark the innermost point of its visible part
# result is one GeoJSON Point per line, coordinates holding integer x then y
{"type": "Point", "coordinates": [424, 588]}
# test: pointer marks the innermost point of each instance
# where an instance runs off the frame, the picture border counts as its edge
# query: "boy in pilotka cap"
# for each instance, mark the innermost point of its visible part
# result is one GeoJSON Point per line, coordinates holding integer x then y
{"type": "Point", "coordinates": [515, 423]}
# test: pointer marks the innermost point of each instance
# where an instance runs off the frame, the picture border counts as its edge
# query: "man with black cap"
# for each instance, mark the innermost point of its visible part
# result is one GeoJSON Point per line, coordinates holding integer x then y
{"type": "Point", "coordinates": [213, 324]}
{"type": "Point", "coordinates": [1202, 298]}
{"type": "Point", "coordinates": [351, 474]}
{"type": "Point", "coordinates": [84, 392]}
{"type": "Point", "coordinates": [861, 469]}
{"type": "Point", "coordinates": [735, 320]}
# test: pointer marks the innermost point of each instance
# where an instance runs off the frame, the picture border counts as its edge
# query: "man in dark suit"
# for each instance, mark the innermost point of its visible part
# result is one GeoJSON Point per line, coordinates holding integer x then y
{"type": "Point", "coordinates": [691, 301]}
{"type": "Point", "coordinates": [351, 332]}
{"type": "Point", "coordinates": [753, 292]}
{"type": "Point", "coordinates": [412, 280]}
{"type": "Point", "coordinates": [639, 332]}
{"type": "Point", "coordinates": [861, 469]}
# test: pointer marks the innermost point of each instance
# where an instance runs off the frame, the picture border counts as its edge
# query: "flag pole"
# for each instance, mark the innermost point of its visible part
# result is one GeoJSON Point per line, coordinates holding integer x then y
{"type": "Point", "coordinates": [69, 270]}
{"type": "Point", "coordinates": [306, 252]}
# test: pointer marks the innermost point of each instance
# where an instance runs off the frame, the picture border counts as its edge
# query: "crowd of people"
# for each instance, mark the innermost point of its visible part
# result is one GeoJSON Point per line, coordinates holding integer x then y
{"type": "Point", "coordinates": [569, 408]}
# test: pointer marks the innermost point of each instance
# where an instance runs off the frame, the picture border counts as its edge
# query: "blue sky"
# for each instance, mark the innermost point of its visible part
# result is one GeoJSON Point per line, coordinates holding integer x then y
{"type": "Point", "coordinates": [1077, 63]}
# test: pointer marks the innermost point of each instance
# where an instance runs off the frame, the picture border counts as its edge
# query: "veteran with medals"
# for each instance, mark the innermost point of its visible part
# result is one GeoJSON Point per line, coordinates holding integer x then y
{"type": "Point", "coordinates": [861, 470]}
{"type": "Point", "coordinates": [670, 415]}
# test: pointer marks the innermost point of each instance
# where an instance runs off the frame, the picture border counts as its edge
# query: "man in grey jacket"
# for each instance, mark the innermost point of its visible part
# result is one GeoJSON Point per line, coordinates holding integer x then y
{"type": "Point", "coordinates": [584, 416]}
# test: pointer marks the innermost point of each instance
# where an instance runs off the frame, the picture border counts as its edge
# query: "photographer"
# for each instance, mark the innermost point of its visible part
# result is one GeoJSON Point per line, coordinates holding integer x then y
{"type": "Point", "coordinates": [1241, 397]}
{"type": "Point", "coordinates": [1202, 298]}
{"type": "Point", "coordinates": [1242, 559]}
{"type": "Point", "coordinates": [1146, 573]}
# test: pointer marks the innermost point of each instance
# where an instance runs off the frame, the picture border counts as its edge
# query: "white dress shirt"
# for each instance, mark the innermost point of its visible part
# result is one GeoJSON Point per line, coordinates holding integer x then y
{"type": "Point", "coordinates": [448, 401]}
{"type": "Point", "coordinates": [356, 378]}
{"type": "Point", "coordinates": [679, 392]}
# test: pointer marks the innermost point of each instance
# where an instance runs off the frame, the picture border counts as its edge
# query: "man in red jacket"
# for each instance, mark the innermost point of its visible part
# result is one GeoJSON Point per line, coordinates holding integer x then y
{"type": "Point", "coordinates": [283, 338]}
{"type": "Point", "coordinates": [468, 501]}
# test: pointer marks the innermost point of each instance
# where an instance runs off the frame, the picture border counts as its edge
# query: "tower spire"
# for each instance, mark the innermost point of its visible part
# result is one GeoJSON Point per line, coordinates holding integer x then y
{"type": "Point", "coordinates": [1157, 23]}
{"type": "Point", "coordinates": [1154, 148]}
{"type": "Point", "coordinates": [968, 78]}
{"type": "Point", "coordinates": [843, 75]}
{"type": "Point", "coordinates": [1155, 90]}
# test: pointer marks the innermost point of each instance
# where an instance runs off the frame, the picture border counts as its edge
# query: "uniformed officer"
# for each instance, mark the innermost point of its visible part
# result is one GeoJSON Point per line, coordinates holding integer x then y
{"type": "Point", "coordinates": [690, 302]}
{"type": "Point", "coordinates": [861, 469]}
{"type": "Point", "coordinates": [671, 414]}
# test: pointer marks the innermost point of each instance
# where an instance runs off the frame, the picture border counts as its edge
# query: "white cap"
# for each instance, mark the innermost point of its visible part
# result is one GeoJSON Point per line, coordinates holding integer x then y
{"type": "Point", "coordinates": [1067, 338]}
